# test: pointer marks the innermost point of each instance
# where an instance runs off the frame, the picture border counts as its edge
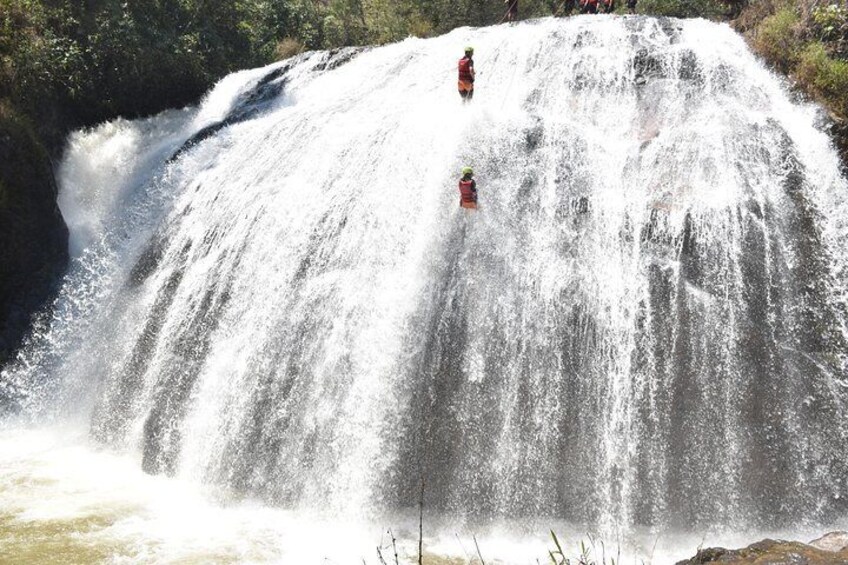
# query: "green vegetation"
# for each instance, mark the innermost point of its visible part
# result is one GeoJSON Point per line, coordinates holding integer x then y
{"type": "Point", "coordinates": [807, 40]}
{"type": "Point", "coordinates": [683, 8]}
{"type": "Point", "coordinates": [775, 39]}
{"type": "Point", "coordinates": [67, 64]}
{"type": "Point", "coordinates": [824, 76]}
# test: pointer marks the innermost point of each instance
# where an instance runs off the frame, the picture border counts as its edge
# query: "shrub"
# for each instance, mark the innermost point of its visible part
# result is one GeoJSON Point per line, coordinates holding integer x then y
{"type": "Point", "coordinates": [288, 47]}
{"type": "Point", "coordinates": [777, 39]}
{"type": "Point", "coordinates": [825, 76]}
{"type": "Point", "coordinates": [831, 22]}
{"type": "Point", "coordinates": [681, 8]}
{"type": "Point", "coordinates": [345, 24]}
{"type": "Point", "coordinates": [393, 20]}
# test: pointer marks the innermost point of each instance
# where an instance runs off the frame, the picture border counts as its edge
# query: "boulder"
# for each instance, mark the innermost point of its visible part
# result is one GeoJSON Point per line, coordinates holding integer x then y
{"type": "Point", "coordinates": [770, 552]}
{"type": "Point", "coordinates": [834, 541]}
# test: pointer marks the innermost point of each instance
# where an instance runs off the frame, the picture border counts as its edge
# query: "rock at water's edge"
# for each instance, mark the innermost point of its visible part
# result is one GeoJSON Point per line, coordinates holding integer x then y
{"type": "Point", "coordinates": [834, 541]}
{"type": "Point", "coordinates": [772, 552]}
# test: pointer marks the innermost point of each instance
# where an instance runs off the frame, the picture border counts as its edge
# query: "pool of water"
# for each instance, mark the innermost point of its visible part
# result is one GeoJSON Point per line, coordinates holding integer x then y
{"type": "Point", "coordinates": [64, 500]}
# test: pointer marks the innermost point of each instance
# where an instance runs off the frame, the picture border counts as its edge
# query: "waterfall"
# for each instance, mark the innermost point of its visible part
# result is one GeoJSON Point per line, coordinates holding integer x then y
{"type": "Point", "coordinates": [644, 324]}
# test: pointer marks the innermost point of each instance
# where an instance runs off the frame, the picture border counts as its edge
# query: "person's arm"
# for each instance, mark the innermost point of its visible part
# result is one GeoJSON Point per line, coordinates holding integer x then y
{"type": "Point", "coordinates": [474, 187]}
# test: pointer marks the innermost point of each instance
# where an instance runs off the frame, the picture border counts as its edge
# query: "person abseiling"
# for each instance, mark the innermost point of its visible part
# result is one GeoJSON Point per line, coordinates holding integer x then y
{"type": "Point", "coordinates": [468, 189]}
{"type": "Point", "coordinates": [608, 6]}
{"type": "Point", "coordinates": [466, 75]}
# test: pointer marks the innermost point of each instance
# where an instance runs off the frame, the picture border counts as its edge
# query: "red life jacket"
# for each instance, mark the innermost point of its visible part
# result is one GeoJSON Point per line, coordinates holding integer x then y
{"type": "Point", "coordinates": [466, 191]}
{"type": "Point", "coordinates": [465, 70]}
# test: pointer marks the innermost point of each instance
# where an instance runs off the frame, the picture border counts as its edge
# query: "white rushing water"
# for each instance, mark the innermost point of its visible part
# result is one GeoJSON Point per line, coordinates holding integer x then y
{"type": "Point", "coordinates": [65, 500]}
{"type": "Point", "coordinates": [275, 298]}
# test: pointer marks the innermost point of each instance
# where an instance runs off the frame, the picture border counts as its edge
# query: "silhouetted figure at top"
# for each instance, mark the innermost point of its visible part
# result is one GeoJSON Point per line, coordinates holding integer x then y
{"type": "Point", "coordinates": [588, 6]}
{"type": "Point", "coordinates": [511, 10]}
{"type": "Point", "coordinates": [631, 6]}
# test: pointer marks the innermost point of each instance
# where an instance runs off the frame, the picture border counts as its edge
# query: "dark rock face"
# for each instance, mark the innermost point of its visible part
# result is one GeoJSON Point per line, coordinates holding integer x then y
{"type": "Point", "coordinates": [33, 235]}
{"type": "Point", "coordinates": [774, 552]}
{"type": "Point", "coordinates": [839, 132]}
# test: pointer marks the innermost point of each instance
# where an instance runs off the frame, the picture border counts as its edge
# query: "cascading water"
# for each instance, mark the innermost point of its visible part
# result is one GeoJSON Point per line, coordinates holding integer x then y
{"type": "Point", "coordinates": [643, 325]}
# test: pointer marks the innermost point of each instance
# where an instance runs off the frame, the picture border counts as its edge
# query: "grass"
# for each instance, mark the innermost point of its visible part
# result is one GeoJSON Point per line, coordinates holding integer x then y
{"type": "Point", "coordinates": [825, 76]}
{"type": "Point", "coordinates": [776, 39]}
{"type": "Point", "coordinates": [591, 551]}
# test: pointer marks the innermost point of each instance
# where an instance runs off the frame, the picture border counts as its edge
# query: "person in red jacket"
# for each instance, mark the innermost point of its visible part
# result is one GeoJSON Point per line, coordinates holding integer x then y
{"type": "Point", "coordinates": [589, 6]}
{"type": "Point", "coordinates": [468, 189]}
{"type": "Point", "coordinates": [466, 75]}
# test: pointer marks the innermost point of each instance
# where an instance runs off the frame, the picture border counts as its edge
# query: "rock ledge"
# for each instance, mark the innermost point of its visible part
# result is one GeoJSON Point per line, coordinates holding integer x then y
{"type": "Point", "coordinates": [830, 549]}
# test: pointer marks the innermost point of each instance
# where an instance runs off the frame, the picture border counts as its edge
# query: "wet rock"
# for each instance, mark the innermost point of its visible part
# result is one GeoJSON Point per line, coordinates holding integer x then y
{"type": "Point", "coordinates": [689, 69]}
{"type": "Point", "coordinates": [770, 552]}
{"type": "Point", "coordinates": [646, 66]}
{"type": "Point", "coordinates": [580, 205]}
{"type": "Point", "coordinates": [533, 135]}
{"type": "Point", "coordinates": [267, 90]}
{"type": "Point", "coordinates": [340, 56]}
{"type": "Point", "coordinates": [834, 541]}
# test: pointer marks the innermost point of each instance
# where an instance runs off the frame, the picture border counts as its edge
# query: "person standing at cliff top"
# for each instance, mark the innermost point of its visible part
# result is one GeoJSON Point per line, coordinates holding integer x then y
{"type": "Point", "coordinates": [589, 6]}
{"type": "Point", "coordinates": [511, 10]}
